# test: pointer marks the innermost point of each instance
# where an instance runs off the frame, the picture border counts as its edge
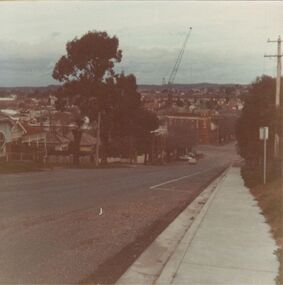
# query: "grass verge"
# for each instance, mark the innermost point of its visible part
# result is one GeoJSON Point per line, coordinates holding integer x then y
{"type": "Point", "coordinates": [20, 166]}
{"type": "Point", "coordinates": [269, 199]}
{"type": "Point", "coordinates": [31, 166]}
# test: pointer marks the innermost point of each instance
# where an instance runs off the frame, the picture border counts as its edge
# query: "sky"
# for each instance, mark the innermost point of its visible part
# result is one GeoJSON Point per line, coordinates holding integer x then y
{"type": "Point", "coordinates": [227, 43]}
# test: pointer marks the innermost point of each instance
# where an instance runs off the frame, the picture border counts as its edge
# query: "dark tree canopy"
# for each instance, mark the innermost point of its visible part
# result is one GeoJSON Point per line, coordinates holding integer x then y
{"type": "Point", "coordinates": [91, 83]}
{"type": "Point", "coordinates": [259, 111]}
{"type": "Point", "coordinates": [87, 72]}
{"type": "Point", "coordinates": [92, 57]}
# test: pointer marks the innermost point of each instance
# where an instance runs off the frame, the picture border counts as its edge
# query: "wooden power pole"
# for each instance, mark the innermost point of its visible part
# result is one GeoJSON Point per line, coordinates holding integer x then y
{"type": "Point", "coordinates": [278, 141]}
{"type": "Point", "coordinates": [97, 139]}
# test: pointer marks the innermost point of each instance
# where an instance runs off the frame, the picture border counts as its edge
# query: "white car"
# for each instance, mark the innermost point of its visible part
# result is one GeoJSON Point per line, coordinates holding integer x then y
{"type": "Point", "coordinates": [184, 157]}
{"type": "Point", "coordinates": [192, 160]}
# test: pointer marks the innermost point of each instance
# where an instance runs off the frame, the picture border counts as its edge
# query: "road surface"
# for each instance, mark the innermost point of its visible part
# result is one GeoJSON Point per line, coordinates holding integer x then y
{"type": "Point", "coordinates": [81, 226]}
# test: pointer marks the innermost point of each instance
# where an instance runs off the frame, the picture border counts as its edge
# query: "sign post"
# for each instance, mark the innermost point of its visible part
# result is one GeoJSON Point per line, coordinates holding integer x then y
{"type": "Point", "coordinates": [263, 135]}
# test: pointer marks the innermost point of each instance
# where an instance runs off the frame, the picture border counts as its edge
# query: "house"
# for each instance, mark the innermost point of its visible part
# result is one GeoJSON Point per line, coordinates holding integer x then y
{"type": "Point", "coordinates": [49, 142]}
{"type": "Point", "coordinates": [10, 131]}
{"type": "Point", "coordinates": [33, 134]}
{"type": "Point", "coordinates": [87, 143]}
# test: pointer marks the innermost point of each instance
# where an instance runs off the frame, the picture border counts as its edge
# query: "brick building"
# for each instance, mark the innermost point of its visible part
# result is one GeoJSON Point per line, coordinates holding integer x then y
{"type": "Point", "coordinates": [203, 127]}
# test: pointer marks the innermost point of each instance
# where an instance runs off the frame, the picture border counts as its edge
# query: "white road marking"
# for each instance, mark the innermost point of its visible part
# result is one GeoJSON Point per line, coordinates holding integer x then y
{"type": "Point", "coordinates": [179, 178]}
{"type": "Point", "coordinates": [172, 190]}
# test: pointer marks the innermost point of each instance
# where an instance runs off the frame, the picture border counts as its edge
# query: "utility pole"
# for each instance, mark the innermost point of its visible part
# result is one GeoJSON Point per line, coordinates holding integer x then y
{"type": "Point", "coordinates": [278, 142]}
{"type": "Point", "coordinates": [97, 139]}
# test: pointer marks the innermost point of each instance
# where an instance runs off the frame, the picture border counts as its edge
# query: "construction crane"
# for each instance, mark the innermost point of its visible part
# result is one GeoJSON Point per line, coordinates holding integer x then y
{"type": "Point", "coordinates": [176, 67]}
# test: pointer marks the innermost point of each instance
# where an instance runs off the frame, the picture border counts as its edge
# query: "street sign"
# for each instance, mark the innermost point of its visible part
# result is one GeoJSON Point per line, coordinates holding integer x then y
{"type": "Point", "coordinates": [263, 133]}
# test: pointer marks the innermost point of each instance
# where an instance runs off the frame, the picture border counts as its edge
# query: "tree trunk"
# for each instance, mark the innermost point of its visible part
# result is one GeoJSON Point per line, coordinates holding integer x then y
{"type": "Point", "coordinates": [104, 150]}
{"type": "Point", "coordinates": [77, 133]}
{"type": "Point", "coordinates": [131, 149]}
{"type": "Point", "coordinates": [145, 158]}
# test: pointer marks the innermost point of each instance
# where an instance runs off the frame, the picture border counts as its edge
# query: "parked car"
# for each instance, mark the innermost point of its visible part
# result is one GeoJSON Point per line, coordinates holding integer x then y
{"type": "Point", "coordinates": [192, 160]}
{"type": "Point", "coordinates": [187, 157]}
{"type": "Point", "coordinates": [184, 157]}
{"type": "Point", "coordinates": [192, 154]}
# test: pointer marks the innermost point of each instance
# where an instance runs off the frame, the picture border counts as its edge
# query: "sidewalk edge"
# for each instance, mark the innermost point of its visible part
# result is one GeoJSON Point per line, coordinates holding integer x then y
{"type": "Point", "coordinates": [171, 267]}
{"type": "Point", "coordinates": [148, 268]}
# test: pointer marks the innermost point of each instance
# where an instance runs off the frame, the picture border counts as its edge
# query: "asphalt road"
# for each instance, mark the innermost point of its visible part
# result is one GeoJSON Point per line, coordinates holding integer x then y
{"type": "Point", "coordinates": [64, 226]}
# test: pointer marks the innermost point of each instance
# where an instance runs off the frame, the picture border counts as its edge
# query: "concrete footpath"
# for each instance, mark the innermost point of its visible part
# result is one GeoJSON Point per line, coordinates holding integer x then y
{"type": "Point", "coordinates": [226, 242]}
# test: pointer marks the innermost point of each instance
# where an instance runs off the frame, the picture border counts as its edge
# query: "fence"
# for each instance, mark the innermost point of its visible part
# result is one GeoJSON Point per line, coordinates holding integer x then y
{"type": "Point", "coordinates": [64, 158]}
{"type": "Point", "coordinates": [25, 156]}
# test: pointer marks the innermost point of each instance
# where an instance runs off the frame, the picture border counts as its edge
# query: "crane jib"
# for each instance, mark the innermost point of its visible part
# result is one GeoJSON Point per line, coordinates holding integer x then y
{"type": "Point", "coordinates": [179, 59]}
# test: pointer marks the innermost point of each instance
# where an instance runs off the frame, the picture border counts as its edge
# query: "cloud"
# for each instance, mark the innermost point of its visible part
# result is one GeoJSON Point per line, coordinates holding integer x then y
{"type": "Point", "coordinates": [227, 43]}
{"type": "Point", "coordinates": [152, 65]}
{"type": "Point", "coordinates": [55, 34]}
{"type": "Point", "coordinates": [17, 71]}
{"type": "Point", "coordinates": [149, 65]}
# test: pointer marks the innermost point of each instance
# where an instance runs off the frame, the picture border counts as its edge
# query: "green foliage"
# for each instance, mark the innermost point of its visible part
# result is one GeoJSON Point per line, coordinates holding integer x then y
{"type": "Point", "coordinates": [259, 111]}
{"type": "Point", "coordinates": [146, 121]}
{"type": "Point", "coordinates": [90, 58]}
{"type": "Point", "coordinates": [181, 136]}
{"type": "Point", "coordinates": [91, 84]}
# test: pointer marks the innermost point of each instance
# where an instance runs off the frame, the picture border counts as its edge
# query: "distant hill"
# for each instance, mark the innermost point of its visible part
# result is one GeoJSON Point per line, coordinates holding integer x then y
{"type": "Point", "coordinates": [29, 88]}
{"type": "Point", "coordinates": [190, 86]}
{"type": "Point", "coordinates": [50, 88]}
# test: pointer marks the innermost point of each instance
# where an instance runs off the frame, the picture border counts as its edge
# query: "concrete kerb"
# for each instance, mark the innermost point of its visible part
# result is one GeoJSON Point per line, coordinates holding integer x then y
{"type": "Point", "coordinates": [173, 264]}
{"type": "Point", "coordinates": [169, 247]}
